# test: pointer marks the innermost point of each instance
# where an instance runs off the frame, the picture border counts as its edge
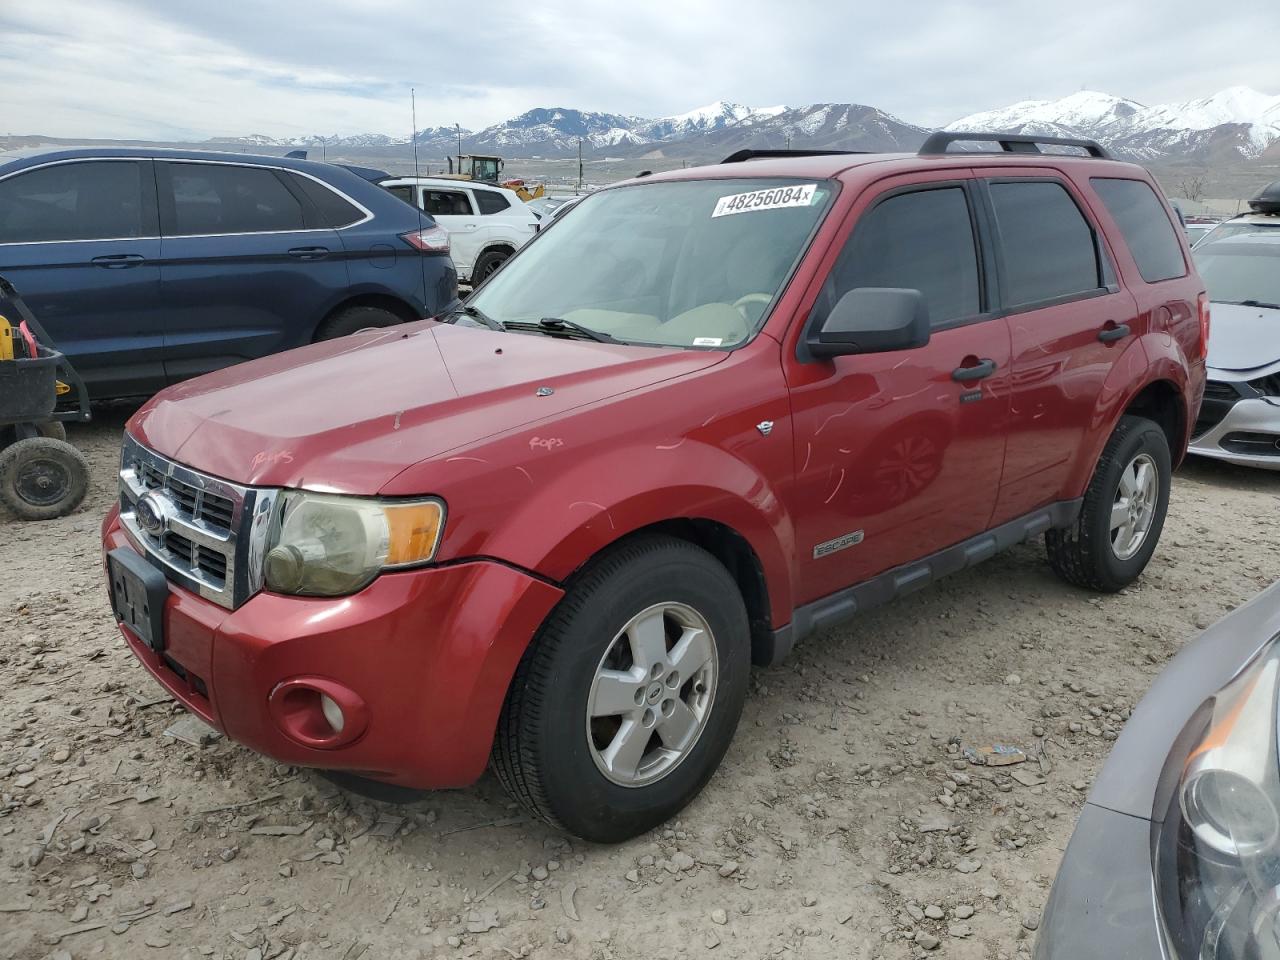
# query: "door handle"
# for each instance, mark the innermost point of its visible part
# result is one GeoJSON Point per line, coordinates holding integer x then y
{"type": "Point", "coordinates": [119, 261]}
{"type": "Point", "coordinates": [978, 371]}
{"type": "Point", "coordinates": [1113, 331]}
{"type": "Point", "coordinates": [309, 253]}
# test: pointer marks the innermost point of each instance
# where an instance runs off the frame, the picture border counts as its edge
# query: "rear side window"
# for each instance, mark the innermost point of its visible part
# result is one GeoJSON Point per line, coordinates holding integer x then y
{"type": "Point", "coordinates": [212, 198]}
{"type": "Point", "coordinates": [93, 200]}
{"type": "Point", "coordinates": [335, 211]}
{"type": "Point", "coordinates": [490, 201]}
{"type": "Point", "coordinates": [1147, 231]}
{"type": "Point", "coordinates": [446, 203]}
{"type": "Point", "coordinates": [921, 241]}
{"type": "Point", "coordinates": [1049, 249]}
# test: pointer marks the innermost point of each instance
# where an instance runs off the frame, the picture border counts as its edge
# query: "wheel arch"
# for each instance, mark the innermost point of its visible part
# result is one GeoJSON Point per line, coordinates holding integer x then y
{"type": "Point", "coordinates": [381, 301]}
{"type": "Point", "coordinates": [736, 554]}
{"type": "Point", "coordinates": [1161, 402]}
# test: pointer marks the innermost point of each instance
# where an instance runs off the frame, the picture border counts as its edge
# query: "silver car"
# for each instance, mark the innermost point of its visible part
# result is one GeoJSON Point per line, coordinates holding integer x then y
{"type": "Point", "coordinates": [1240, 416]}
{"type": "Point", "coordinates": [1176, 855]}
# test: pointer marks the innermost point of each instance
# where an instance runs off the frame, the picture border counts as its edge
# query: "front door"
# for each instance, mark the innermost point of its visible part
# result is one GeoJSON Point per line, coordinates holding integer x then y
{"type": "Point", "coordinates": [246, 267]}
{"type": "Point", "coordinates": [899, 454]}
{"type": "Point", "coordinates": [79, 241]}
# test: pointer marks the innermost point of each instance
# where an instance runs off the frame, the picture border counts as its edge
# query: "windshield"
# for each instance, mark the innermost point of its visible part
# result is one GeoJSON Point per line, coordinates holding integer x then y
{"type": "Point", "coordinates": [1240, 272]}
{"type": "Point", "coordinates": [1236, 228]}
{"type": "Point", "coordinates": [692, 263]}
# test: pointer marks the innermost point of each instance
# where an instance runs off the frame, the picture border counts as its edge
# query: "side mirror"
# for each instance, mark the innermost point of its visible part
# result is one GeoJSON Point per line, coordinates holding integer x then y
{"type": "Point", "coordinates": [872, 320]}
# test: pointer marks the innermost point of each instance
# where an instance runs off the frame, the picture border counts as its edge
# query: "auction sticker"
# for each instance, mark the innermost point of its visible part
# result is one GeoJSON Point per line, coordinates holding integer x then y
{"type": "Point", "coordinates": [774, 198]}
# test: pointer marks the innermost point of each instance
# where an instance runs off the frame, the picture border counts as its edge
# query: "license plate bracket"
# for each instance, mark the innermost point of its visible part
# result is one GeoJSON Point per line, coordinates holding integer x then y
{"type": "Point", "coordinates": [138, 594]}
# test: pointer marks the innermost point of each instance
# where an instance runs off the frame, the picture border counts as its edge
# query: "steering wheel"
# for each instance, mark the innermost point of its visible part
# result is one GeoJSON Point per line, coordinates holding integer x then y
{"type": "Point", "coordinates": [742, 301]}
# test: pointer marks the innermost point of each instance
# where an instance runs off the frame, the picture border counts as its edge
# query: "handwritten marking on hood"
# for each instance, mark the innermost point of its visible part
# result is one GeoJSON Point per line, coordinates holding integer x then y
{"type": "Point", "coordinates": [549, 443]}
{"type": "Point", "coordinates": [262, 457]}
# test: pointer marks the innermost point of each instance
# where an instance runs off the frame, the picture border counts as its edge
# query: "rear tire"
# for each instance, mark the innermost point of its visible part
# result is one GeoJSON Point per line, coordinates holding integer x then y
{"type": "Point", "coordinates": [559, 749]}
{"type": "Point", "coordinates": [354, 319]}
{"type": "Point", "coordinates": [52, 428]}
{"type": "Point", "coordinates": [1111, 541]}
{"type": "Point", "coordinates": [488, 262]}
{"type": "Point", "coordinates": [42, 478]}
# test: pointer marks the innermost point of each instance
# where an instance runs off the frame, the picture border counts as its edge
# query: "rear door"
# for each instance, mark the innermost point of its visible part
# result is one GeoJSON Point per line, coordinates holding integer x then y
{"type": "Point", "coordinates": [1068, 319]}
{"type": "Point", "coordinates": [248, 266]}
{"type": "Point", "coordinates": [80, 242]}
{"type": "Point", "coordinates": [455, 211]}
{"type": "Point", "coordinates": [899, 454]}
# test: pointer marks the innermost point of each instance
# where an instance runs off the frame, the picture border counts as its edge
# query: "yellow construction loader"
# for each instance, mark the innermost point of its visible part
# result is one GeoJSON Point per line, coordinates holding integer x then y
{"type": "Point", "coordinates": [489, 169]}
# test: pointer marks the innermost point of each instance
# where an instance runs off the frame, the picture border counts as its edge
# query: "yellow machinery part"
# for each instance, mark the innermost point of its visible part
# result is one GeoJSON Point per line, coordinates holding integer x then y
{"type": "Point", "coordinates": [7, 333]}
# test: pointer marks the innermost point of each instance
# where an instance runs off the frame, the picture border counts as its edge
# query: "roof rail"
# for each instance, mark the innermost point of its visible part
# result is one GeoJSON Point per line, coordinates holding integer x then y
{"type": "Point", "coordinates": [936, 144]}
{"type": "Point", "coordinates": [749, 154]}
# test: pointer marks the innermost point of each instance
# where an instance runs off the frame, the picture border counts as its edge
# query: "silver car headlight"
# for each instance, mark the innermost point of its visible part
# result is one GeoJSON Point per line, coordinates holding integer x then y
{"type": "Point", "coordinates": [323, 545]}
{"type": "Point", "coordinates": [1217, 838]}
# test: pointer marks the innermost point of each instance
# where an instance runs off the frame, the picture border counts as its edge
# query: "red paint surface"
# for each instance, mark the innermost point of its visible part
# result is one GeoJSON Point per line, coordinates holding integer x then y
{"type": "Point", "coordinates": [633, 436]}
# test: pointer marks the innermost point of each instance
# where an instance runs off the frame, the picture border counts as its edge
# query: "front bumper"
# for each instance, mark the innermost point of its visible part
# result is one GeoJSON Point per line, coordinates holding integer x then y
{"type": "Point", "coordinates": [430, 652]}
{"type": "Point", "coordinates": [1103, 900]}
{"type": "Point", "coordinates": [1249, 434]}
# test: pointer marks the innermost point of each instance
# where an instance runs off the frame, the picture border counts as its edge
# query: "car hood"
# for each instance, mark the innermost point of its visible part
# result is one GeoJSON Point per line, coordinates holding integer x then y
{"type": "Point", "coordinates": [349, 414]}
{"type": "Point", "coordinates": [1243, 338]}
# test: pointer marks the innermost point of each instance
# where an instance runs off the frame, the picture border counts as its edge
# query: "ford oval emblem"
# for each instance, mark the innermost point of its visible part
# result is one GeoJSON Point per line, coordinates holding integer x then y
{"type": "Point", "coordinates": [151, 514]}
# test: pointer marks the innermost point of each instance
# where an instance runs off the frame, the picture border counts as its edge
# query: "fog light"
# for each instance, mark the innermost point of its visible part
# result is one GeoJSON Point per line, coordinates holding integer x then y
{"type": "Point", "coordinates": [332, 712]}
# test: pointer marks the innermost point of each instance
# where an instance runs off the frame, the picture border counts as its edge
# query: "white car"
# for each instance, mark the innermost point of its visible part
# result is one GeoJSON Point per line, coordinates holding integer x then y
{"type": "Point", "coordinates": [486, 223]}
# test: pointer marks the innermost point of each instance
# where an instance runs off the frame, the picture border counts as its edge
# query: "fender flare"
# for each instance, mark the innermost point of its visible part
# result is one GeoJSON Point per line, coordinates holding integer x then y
{"type": "Point", "coordinates": [1152, 358]}
{"type": "Point", "coordinates": [594, 503]}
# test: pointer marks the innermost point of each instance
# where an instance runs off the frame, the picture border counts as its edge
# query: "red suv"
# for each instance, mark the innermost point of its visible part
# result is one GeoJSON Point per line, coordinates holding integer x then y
{"type": "Point", "coordinates": [703, 415]}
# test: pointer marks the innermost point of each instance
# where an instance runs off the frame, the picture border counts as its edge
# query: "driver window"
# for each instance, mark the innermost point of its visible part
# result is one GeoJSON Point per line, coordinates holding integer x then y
{"type": "Point", "coordinates": [923, 241]}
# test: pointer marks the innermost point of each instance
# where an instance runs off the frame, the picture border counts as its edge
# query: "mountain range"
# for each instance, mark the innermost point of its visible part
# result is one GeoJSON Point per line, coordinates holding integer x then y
{"type": "Point", "coordinates": [1231, 125]}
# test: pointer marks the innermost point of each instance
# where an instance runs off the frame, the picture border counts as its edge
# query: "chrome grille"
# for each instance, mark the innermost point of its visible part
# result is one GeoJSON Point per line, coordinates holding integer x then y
{"type": "Point", "coordinates": [197, 524]}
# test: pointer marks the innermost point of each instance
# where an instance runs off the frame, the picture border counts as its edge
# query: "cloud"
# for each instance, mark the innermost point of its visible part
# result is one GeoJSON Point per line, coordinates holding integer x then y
{"type": "Point", "coordinates": [174, 70]}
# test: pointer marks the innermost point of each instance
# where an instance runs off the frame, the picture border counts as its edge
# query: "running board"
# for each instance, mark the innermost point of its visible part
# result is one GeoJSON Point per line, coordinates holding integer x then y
{"type": "Point", "coordinates": [911, 577]}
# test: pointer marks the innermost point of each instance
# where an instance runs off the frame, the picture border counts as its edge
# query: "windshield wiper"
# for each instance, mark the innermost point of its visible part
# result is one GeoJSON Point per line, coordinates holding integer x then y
{"type": "Point", "coordinates": [1253, 303]}
{"type": "Point", "coordinates": [555, 325]}
{"type": "Point", "coordinates": [478, 314]}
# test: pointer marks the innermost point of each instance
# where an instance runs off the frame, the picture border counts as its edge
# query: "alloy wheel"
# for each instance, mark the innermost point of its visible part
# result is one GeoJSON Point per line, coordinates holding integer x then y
{"type": "Point", "coordinates": [652, 694]}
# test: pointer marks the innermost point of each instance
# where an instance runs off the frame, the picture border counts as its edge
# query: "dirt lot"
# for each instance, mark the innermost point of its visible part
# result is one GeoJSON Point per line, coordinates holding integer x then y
{"type": "Point", "coordinates": [845, 822]}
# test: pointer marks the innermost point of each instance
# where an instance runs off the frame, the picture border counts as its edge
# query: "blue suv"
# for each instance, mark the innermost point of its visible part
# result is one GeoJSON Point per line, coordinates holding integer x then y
{"type": "Point", "coordinates": [151, 266]}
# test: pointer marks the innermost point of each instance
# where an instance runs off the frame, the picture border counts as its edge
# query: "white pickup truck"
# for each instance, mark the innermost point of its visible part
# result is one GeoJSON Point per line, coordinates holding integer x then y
{"type": "Point", "coordinates": [486, 223]}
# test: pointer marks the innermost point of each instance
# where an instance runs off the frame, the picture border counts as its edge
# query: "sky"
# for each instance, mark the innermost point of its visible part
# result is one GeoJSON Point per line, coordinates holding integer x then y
{"type": "Point", "coordinates": [189, 69]}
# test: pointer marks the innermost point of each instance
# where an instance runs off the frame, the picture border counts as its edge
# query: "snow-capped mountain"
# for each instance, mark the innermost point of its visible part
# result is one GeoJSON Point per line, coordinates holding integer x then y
{"type": "Point", "coordinates": [1236, 120]}
{"type": "Point", "coordinates": [714, 116]}
{"type": "Point", "coordinates": [1084, 111]}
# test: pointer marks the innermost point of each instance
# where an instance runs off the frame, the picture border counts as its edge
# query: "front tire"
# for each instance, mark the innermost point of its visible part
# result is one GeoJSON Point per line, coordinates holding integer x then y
{"type": "Point", "coordinates": [354, 319]}
{"type": "Point", "coordinates": [625, 703]}
{"type": "Point", "coordinates": [1111, 541]}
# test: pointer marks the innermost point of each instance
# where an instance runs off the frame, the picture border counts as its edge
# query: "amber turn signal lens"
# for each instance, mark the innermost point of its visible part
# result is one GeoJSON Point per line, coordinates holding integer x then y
{"type": "Point", "coordinates": [413, 532]}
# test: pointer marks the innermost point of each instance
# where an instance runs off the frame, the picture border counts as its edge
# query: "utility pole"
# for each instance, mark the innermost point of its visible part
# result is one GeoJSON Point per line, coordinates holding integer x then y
{"type": "Point", "coordinates": [458, 128]}
{"type": "Point", "coordinates": [788, 141]}
{"type": "Point", "coordinates": [579, 164]}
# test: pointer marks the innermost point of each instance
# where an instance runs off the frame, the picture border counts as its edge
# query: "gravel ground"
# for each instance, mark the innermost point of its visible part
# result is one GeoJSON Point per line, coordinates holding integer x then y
{"type": "Point", "coordinates": [845, 821]}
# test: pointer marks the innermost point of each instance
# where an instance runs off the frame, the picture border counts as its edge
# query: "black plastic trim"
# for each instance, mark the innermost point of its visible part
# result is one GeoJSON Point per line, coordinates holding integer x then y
{"type": "Point", "coordinates": [912, 576]}
{"type": "Point", "coordinates": [936, 143]}
{"type": "Point", "coordinates": [748, 154]}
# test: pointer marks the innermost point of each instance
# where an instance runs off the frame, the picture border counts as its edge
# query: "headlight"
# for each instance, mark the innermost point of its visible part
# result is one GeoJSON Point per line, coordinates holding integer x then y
{"type": "Point", "coordinates": [1217, 836]}
{"type": "Point", "coordinates": [325, 545]}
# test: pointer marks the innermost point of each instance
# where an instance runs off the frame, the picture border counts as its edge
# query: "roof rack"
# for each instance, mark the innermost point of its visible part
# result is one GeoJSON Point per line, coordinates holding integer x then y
{"type": "Point", "coordinates": [749, 154]}
{"type": "Point", "coordinates": [936, 144]}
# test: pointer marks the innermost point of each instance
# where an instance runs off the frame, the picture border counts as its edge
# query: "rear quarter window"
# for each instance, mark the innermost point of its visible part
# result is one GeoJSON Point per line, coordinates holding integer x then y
{"type": "Point", "coordinates": [490, 201]}
{"type": "Point", "coordinates": [1146, 228]}
{"type": "Point", "coordinates": [335, 211]}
